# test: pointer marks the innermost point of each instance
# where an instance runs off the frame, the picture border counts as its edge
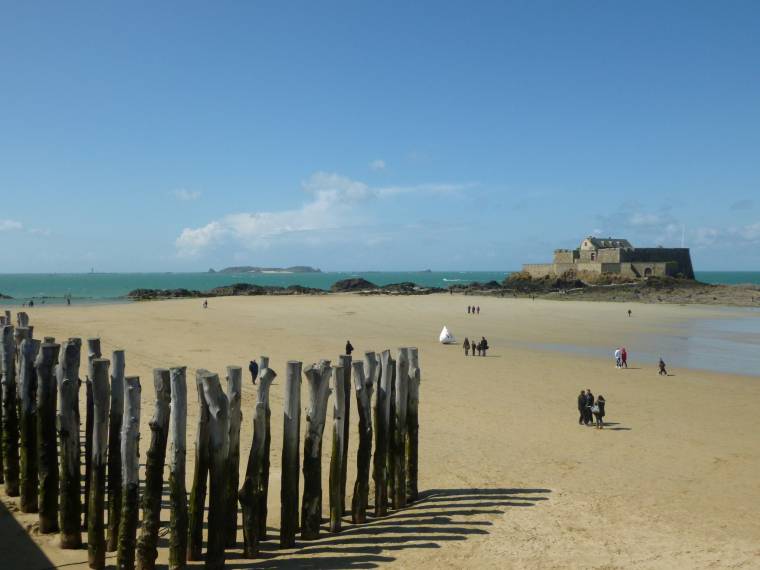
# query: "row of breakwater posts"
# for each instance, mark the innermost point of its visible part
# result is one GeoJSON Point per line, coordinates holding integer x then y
{"type": "Point", "coordinates": [42, 452]}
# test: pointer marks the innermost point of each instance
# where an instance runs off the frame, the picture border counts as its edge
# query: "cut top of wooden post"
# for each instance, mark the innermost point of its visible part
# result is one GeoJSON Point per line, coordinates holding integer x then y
{"type": "Point", "coordinates": [318, 377]}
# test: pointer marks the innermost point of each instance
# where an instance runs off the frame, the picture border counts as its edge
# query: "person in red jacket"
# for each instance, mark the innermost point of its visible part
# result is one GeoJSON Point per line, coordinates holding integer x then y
{"type": "Point", "coordinates": [624, 358]}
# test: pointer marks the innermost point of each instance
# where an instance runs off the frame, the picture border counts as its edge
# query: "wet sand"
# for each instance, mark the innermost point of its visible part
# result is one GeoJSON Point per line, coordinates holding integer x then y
{"type": "Point", "coordinates": [508, 477]}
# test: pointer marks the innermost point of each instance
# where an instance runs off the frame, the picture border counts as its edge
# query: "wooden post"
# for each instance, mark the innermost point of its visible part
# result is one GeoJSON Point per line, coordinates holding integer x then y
{"type": "Point", "coordinates": [177, 453]}
{"type": "Point", "coordinates": [399, 434]}
{"type": "Point", "coordinates": [93, 352]}
{"type": "Point", "coordinates": [10, 432]}
{"type": "Point", "coordinates": [28, 420]}
{"type": "Point", "coordinates": [130, 482]}
{"type": "Point", "coordinates": [47, 438]}
{"type": "Point", "coordinates": [219, 448]}
{"type": "Point", "coordinates": [234, 387]}
{"type": "Point", "coordinates": [253, 489]}
{"type": "Point", "coordinates": [22, 319]}
{"type": "Point", "coordinates": [318, 377]}
{"type": "Point", "coordinates": [200, 475]}
{"type": "Point", "coordinates": [390, 467]}
{"type": "Point", "coordinates": [68, 426]}
{"type": "Point", "coordinates": [413, 427]}
{"type": "Point", "coordinates": [290, 459]}
{"type": "Point", "coordinates": [114, 448]}
{"type": "Point", "coordinates": [345, 362]}
{"type": "Point", "coordinates": [382, 413]}
{"type": "Point", "coordinates": [154, 472]}
{"type": "Point", "coordinates": [337, 459]}
{"type": "Point", "coordinates": [263, 365]}
{"type": "Point", "coordinates": [96, 543]}
{"type": "Point", "coordinates": [363, 386]}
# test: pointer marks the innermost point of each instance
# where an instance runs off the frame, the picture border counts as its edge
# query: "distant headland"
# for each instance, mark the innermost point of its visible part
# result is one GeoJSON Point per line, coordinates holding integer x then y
{"type": "Point", "coordinates": [253, 269]}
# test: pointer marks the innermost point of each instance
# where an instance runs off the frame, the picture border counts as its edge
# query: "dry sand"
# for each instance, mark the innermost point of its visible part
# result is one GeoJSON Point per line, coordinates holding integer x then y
{"type": "Point", "coordinates": [508, 477]}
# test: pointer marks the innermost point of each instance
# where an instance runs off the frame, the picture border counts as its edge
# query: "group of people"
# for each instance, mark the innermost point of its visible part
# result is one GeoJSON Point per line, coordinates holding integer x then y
{"type": "Point", "coordinates": [481, 347]}
{"type": "Point", "coordinates": [621, 357]}
{"type": "Point", "coordinates": [590, 409]}
{"type": "Point", "coordinates": [473, 310]}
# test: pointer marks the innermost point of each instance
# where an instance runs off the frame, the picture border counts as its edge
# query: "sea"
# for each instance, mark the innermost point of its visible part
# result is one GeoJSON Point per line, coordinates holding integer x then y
{"type": "Point", "coordinates": [113, 287]}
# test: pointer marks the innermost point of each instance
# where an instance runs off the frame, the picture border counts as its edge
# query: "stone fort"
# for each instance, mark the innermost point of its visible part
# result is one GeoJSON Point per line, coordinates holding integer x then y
{"type": "Point", "coordinates": [616, 256]}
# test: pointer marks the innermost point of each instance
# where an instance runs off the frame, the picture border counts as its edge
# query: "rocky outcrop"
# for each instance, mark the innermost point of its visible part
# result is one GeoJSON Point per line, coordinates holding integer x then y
{"type": "Point", "coordinates": [233, 290]}
{"type": "Point", "coordinates": [5, 296]}
{"type": "Point", "coordinates": [352, 285]}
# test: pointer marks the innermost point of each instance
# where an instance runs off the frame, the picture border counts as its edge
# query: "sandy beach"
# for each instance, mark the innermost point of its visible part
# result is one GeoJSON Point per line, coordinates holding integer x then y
{"type": "Point", "coordinates": [508, 477]}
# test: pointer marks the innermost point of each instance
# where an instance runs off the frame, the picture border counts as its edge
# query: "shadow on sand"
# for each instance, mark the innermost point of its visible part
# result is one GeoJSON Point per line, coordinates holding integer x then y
{"type": "Point", "coordinates": [17, 549]}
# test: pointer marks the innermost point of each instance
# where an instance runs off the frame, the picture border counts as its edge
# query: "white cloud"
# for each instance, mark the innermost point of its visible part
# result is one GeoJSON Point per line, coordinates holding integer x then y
{"type": "Point", "coordinates": [186, 195]}
{"type": "Point", "coordinates": [10, 225]}
{"type": "Point", "coordinates": [377, 164]}
{"type": "Point", "coordinates": [337, 203]}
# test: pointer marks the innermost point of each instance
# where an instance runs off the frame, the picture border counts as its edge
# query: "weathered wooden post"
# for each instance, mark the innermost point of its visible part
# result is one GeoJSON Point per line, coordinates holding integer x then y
{"type": "Point", "coordinates": [390, 467]}
{"type": "Point", "coordinates": [116, 415]}
{"type": "Point", "coordinates": [290, 459]}
{"type": "Point", "coordinates": [96, 543]}
{"type": "Point", "coordinates": [93, 352]}
{"type": "Point", "coordinates": [154, 472]}
{"type": "Point", "coordinates": [318, 377]}
{"type": "Point", "coordinates": [413, 427]}
{"type": "Point", "coordinates": [10, 433]}
{"type": "Point", "coordinates": [177, 453]}
{"type": "Point", "coordinates": [219, 448]}
{"type": "Point", "coordinates": [402, 395]}
{"type": "Point", "coordinates": [263, 365]}
{"type": "Point", "coordinates": [200, 475]}
{"type": "Point", "coordinates": [47, 438]}
{"type": "Point", "coordinates": [363, 386]}
{"type": "Point", "coordinates": [22, 319]}
{"type": "Point", "coordinates": [28, 420]}
{"type": "Point", "coordinates": [253, 490]}
{"type": "Point", "coordinates": [130, 482]}
{"type": "Point", "coordinates": [382, 413]}
{"type": "Point", "coordinates": [68, 426]}
{"type": "Point", "coordinates": [345, 362]}
{"type": "Point", "coordinates": [234, 395]}
{"type": "Point", "coordinates": [337, 459]}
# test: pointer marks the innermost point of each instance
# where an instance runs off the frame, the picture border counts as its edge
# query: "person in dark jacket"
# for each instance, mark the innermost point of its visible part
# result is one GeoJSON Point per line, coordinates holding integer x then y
{"type": "Point", "coordinates": [589, 403]}
{"type": "Point", "coordinates": [253, 368]}
{"type": "Point", "coordinates": [466, 346]}
{"type": "Point", "coordinates": [599, 411]}
{"type": "Point", "coordinates": [483, 345]}
{"type": "Point", "coordinates": [581, 407]}
{"type": "Point", "coordinates": [349, 348]}
{"type": "Point", "coordinates": [663, 371]}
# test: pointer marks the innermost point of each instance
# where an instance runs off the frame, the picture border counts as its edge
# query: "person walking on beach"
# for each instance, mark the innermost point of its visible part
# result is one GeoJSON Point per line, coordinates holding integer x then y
{"type": "Point", "coordinates": [483, 345]}
{"type": "Point", "coordinates": [581, 407]}
{"type": "Point", "coordinates": [589, 405]}
{"type": "Point", "coordinates": [253, 368]}
{"type": "Point", "coordinates": [662, 368]}
{"type": "Point", "coordinates": [468, 309]}
{"type": "Point", "coordinates": [624, 358]}
{"type": "Point", "coordinates": [629, 313]}
{"type": "Point", "coordinates": [466, 346]}
{"type": "Point", "coordinates": [205, 303]}
{"type": "Point", "coordinates": [618, 364]}
{"type": "Point", "coordinates": [598, 410]}
{"type": "Point", "coordinates": [349, 348]}
{"type": "Point", "coordinates": [478, 309]}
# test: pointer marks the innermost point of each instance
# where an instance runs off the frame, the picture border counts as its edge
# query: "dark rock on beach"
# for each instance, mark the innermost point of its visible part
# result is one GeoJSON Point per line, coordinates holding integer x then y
{"type": "Point", "coordinates": [233, 290]}
{"type": "Point", "coordinates": [352, 285]}
{"type": "Point", "coordinates": [5, 296]}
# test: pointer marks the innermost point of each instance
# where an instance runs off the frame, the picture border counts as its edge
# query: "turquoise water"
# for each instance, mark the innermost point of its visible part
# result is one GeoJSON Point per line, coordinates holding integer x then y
{"type": "Point", "coordinates": [93, 287]}
{"type": "Point", "coordinates": [105, 287]}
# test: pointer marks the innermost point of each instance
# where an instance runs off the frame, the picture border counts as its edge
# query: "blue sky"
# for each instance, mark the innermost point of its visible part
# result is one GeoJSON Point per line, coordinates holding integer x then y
{"type": "Point", "coordinates": [175, 136]}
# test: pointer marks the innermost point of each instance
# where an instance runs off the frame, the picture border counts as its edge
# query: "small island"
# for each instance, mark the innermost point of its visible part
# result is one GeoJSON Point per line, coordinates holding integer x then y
{"type": "Point", "coordinates": [253, 269]}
